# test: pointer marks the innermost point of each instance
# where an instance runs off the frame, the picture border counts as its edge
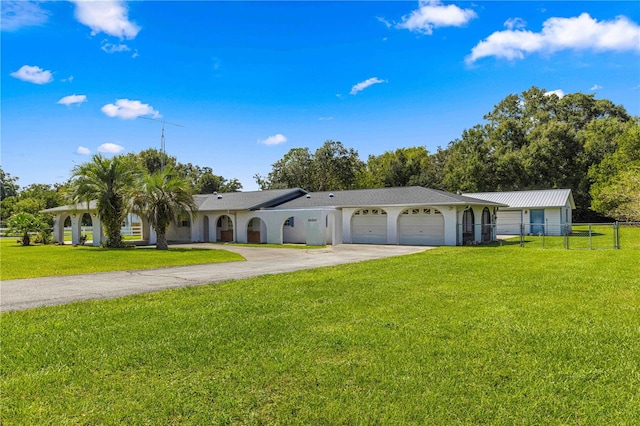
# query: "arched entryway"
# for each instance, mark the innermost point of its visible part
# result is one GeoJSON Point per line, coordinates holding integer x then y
{"type": "Point", "coordinates": [85, 229]}
{"type": "Point", "coordinates": [369, 226]}
{"type": "Point", "coordinates": [224, 229]}
{"type": "Point", "coordinates": [468, 227]}
{"type": "Point", "coordinates": [487, 231]}
{"type": "Point", "coordinates": [421, 226]}
{"type": "Point", "coordinates": [256, 231]}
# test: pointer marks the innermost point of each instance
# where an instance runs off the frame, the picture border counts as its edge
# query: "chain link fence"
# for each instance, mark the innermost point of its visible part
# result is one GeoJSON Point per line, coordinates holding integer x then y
{"type": "Point", "coordinates": [576, 236]}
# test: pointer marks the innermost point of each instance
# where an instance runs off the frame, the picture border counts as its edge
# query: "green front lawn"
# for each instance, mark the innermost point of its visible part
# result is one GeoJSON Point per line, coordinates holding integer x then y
{"type": "Point", "coordinates": [459, 335]}
{"type": "Point", "coordinates": [52, 260]}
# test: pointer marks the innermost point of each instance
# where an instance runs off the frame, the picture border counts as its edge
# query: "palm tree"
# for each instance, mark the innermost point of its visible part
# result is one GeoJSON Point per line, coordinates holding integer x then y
{"type": "Point", "coordinates": [108, 181]}
{"type": "Point", "coordinates": [162, 196]}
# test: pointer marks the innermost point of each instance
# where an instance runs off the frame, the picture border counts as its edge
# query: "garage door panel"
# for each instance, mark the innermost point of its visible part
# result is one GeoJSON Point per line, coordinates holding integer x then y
{"type": "Point", "coordinates": [369, 229]}
{"type": "Point", "coordinates": [508, 222]}
{"type": "Point", "coordinates": [421, 230]}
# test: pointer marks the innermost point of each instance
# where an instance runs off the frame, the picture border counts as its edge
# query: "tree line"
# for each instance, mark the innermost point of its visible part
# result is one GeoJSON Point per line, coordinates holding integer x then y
{"type": "Point", "coordinates": [531, 140]}
{"type": "Point", "coordinates": [534, 140]}
{"type": "Point", "coordinates": [150, 183]}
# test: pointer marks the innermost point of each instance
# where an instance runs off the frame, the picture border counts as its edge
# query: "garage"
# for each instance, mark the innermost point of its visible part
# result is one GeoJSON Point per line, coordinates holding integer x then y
{"type": "Point", "coordinates": [509, 222]}
{"type": "Point", "coordinates": [421, 226]}
{"type": "Point", "coordinates": [369, 226]}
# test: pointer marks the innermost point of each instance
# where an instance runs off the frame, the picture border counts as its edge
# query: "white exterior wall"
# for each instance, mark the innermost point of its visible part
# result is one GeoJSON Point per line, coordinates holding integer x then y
{"type": "Point", "coordinates": [296, 234]}
{"type": "Point", "coordinates": [181, 234]}
{"type": "Point", "coordinates": [509, 221]}
{"type": "Point", "coordinates": [553, 221]}
{"type": "Point", "coordinates": [309, 226]}
{"type": "Point", "coordinates": [554, 217]}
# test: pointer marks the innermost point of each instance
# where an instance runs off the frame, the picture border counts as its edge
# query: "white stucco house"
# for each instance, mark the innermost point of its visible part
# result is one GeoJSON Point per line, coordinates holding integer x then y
{"type": "Point", "coordinates": [407, 215]}
{"type": "Point", "coordinates": [534, 212]}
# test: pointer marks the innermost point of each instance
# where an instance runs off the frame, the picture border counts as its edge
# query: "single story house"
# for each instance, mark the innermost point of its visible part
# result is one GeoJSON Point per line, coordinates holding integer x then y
{"type": "Point", "coordinates": [408, 215]}
{"type": "Point", "coordinates": [531, 212]}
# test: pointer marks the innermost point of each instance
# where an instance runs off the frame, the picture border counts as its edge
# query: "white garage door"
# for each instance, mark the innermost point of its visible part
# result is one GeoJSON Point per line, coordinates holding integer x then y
{"type": "Point", "coordinates": [423, 227]}
{"type": "Point", "coordinates": [508, 222]}
{"type": "Point", "coordinates": [369, 226]}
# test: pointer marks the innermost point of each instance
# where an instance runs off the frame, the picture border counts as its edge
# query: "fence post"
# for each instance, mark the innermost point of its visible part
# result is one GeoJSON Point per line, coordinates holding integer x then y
{"type": "Point", "coordinates": [521, 234]}
{"type": "Point", "coordinates": [590, 239]}
{"type": "Point", "coordinates": [616, 235]}
{"type": "Point", "coordinates": [567, 231]}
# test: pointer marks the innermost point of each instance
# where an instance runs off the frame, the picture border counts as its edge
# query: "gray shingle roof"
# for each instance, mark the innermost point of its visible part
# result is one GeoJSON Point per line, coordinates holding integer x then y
{"type": "Point", "coordinates": [410, 195]}
{"type": "Point", "coordinates": [528, 199]}
{"type": "Point", "coordinates": [299, 198]}
{"type": "Point", "coordinates": [249, 200]}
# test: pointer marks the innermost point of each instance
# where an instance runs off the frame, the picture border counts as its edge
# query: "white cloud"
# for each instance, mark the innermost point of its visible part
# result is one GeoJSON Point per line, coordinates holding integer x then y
{"type": "Point", "coordinates": [364, 84]}
{"type": "Point", "coordinates": [128, 109]}
{"type": "Point", "coordinates": [106, 16]}
{"type": "Point", "coordinates": [384, 21]}
{"type": "Point", "coordinates": [83, 151]}
{"type": "Point", "coordinates": [110, 148]}
{"type": "Point", "coordinates": [274, 140]}
{"type": "Point", "coordinates": [33, 74]}
{"type": "Point", "coordinates": [579, 33]}
{"type": "Point", "coordinates": [73, 99]}
{"type": "Point", "coordinates": [558, 92]}
{"type": "Point", "coordinates": [325, 118]}
{"type": "Point", "coordinates": [67, 80]}
{"type": "Point", "coordinates": [20, 14]}
{"type": "Point", "coordinates": [516, 23]}
{"type": "Point", "coordinates": [596, 87]}
{"type": "Point", "coordinates": [433, 14]}
{"type": "Point", "coordinates": [114, 48]}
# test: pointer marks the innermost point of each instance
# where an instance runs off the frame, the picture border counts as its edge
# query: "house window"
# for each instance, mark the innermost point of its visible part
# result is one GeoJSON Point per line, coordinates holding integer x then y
{"type": "Point", "coordinates": [184, 224]}
{"type": "Point", "coordinates": [289, 222]}
{"type": "Point", "coordinates": [426, 211]}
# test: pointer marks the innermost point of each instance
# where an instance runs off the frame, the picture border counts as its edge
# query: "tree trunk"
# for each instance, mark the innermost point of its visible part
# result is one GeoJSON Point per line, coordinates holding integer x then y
{"type": "Point", "coordinates": [114, 236]}
{"type": "Point", "coordinates": [26, 239]}
{"type": "Point", "coordinates": [161, 242]}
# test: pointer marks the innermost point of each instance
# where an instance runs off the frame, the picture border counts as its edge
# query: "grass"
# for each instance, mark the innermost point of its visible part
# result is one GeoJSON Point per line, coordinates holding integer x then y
{"type": "Point", "coordinates": [51, 260]}
{"type": "Point", "coordinates": [585, 237]}
{"type": "Point", "coordinates": [460, 335]}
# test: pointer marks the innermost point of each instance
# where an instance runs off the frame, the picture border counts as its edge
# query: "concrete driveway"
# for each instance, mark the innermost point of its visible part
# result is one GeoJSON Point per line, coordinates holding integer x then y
{"type": "Point", "coordinates": [48, 291]}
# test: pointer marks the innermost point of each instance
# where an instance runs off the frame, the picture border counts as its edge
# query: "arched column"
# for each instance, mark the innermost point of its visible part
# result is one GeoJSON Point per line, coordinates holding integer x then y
{"type": "Point", "coordinates": [393, 213]}
{"type": "Point", "coordinates": [58, 227]}
{"type": "Point", "coordinates": [96, 230]}
{"type": "Point", "coordinates": [76, 219]}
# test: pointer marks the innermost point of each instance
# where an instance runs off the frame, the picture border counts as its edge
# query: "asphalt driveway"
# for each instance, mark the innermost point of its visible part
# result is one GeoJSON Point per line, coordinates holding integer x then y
{"type": "Point", "coordinates": [48, 291]}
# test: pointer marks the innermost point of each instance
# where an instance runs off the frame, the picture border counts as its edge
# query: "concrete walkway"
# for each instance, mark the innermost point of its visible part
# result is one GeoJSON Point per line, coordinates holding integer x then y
{"type": "Point", "coordinates": [48, 291]}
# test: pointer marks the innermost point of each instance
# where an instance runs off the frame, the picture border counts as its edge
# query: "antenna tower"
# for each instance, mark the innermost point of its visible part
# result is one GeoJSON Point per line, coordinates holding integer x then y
{"type": "Point", "coordinates": [162, 145]}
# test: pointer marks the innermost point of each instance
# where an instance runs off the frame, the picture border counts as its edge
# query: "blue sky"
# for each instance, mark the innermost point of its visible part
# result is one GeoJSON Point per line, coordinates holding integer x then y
{"type": "Point", "coordinates": [248, 81]}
